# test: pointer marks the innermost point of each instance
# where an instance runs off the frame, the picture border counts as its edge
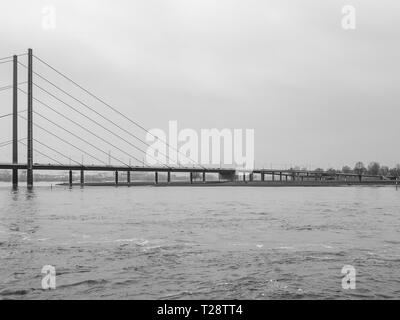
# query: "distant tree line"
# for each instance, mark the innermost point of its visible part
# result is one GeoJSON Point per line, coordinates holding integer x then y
{"type": "Point", "coordinates": [374, 168]}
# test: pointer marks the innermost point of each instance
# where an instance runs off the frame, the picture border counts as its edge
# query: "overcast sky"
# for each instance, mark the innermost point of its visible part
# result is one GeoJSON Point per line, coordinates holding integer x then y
{"type": "Point", "coordinates": [315, 94]}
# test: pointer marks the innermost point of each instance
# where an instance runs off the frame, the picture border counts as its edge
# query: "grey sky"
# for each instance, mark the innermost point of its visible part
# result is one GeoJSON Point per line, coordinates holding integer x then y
{"type": "Point", "coordinates": [314, 93]}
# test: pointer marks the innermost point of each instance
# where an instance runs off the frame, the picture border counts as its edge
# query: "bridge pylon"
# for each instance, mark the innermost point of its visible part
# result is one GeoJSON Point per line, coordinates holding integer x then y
{"type": "Point", "coordinates": [15, 122]}
{"type": "Point", "coordinates": [29, 173]}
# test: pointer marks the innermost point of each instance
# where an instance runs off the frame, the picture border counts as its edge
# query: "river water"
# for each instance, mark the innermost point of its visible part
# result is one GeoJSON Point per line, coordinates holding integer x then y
{"type": "Point", "coordinates": [200, 242]}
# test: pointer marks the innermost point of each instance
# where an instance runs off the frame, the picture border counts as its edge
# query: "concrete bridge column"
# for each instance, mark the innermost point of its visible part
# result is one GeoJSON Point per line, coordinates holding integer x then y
{"type": "Point", "coordinates": [280, 176]}
{"type": "Point", "coordinates": [116, 178]}
{"type": "Point", "coordinates": [70, 178]}
{"type": "Point", "coordinates": [191, 177]}
{"type": "Point", "coordinates": [273, 176]}
{"type": "Point", "coordinates": [204, 177]}
{"type": "Point", "coordinates": [128, 177]}
{"type": "Point", "coordinates": [169, 176]}
{"type": "Point", "coordinates": [262, 176]}
{"type": "Point", "coordinates": [82, 177]}
{"type": "Point", "coordinates": [156, 177]}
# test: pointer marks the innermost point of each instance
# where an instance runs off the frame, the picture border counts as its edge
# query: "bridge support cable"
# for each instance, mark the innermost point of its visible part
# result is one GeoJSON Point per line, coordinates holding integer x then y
{"type": "Point", "coordinates": [11, 57]}
{"type": "Point", "coordinates": [7, 143]}
{"type": "Point", "coordinates": [58, 152]}
{"type": "Point", "coordinates": [114, 109]}
{"type": "Point", "coordinates": [11, 142]}
{"type": "Point", "coordinates": [5, 115]}
{"type": "Point", "coordinates": [3, 62]}
{"type": "Point", "coordinates": [103, 117]}
{"type": "Point", "coordinates": [3, 88]}
{"type": "Point", "coordinates": [87, 107]}
{"type": "Point", "coordinates": [81, 139]}
{"type": "Point", "coordinates": [10, 86]}
{"type": "Point", "coordinates": [66, 142]}
{"type": "Point", "coordinates": [5, 58]}
{"type": "Point", "coordinates": [44, 155]}
{"type": "Point", "coordinates": [10, 114]}
{"type": "Point", "coordinates": [96, 135]}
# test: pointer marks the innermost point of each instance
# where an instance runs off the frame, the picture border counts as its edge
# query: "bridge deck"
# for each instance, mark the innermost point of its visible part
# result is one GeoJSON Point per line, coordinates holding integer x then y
{"type": "Point", "coordinates": [52, 167]}
{"type": "Point", "coordinates": [113, 168]}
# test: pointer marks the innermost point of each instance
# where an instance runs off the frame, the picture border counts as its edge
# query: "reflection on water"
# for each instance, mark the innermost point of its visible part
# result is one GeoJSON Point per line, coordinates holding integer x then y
{"type": "Point", "coordinates": [200, 242]}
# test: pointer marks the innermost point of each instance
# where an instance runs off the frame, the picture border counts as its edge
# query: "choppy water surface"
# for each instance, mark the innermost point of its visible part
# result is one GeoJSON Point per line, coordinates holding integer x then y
{"type": "Point", "coordinates": [200, 242]}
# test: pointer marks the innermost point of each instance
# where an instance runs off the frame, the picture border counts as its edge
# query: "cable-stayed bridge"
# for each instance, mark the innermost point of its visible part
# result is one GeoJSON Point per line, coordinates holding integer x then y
{"type": "Point", "coordinates": [68, 108]}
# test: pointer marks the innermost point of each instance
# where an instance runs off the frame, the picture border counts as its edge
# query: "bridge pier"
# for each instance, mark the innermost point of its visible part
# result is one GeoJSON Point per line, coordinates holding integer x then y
{"type": "Point", "coordinates": [251, 177]}
{"type": "Point", "coordinates": [128, 177]}
{"type": "Point", "coordinates": [156, 177]}
{"type": "Point", "coordinates": [273, 176]}
{"type": "Point", "coordinates": [82, 177]}
{"type": "Point", "coordinates": [191, 177]}
{"type": "Point", "coordinates": [15, 121]}
{"type": "Point", "coordinates": [204, 177]}
{"type": "Point", "coordinates": [280, 176]}
{"type": "Point", "coordinates": [70, 178]}
{"type": "Point", "coordinates": [262, 176]}
{"type": "Point", "coordinates": [116, 178]}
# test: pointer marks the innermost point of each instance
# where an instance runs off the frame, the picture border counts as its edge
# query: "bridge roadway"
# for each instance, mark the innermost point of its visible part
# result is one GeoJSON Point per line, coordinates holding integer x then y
{"type": "Point", "coordinates": [66, 167]}
{"type": "Point", "coordinates": [227, 172]}
{"type": "Point", "coordinates": [56, 167]}
{"type": "Point", "coordinates": [36, 166]}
